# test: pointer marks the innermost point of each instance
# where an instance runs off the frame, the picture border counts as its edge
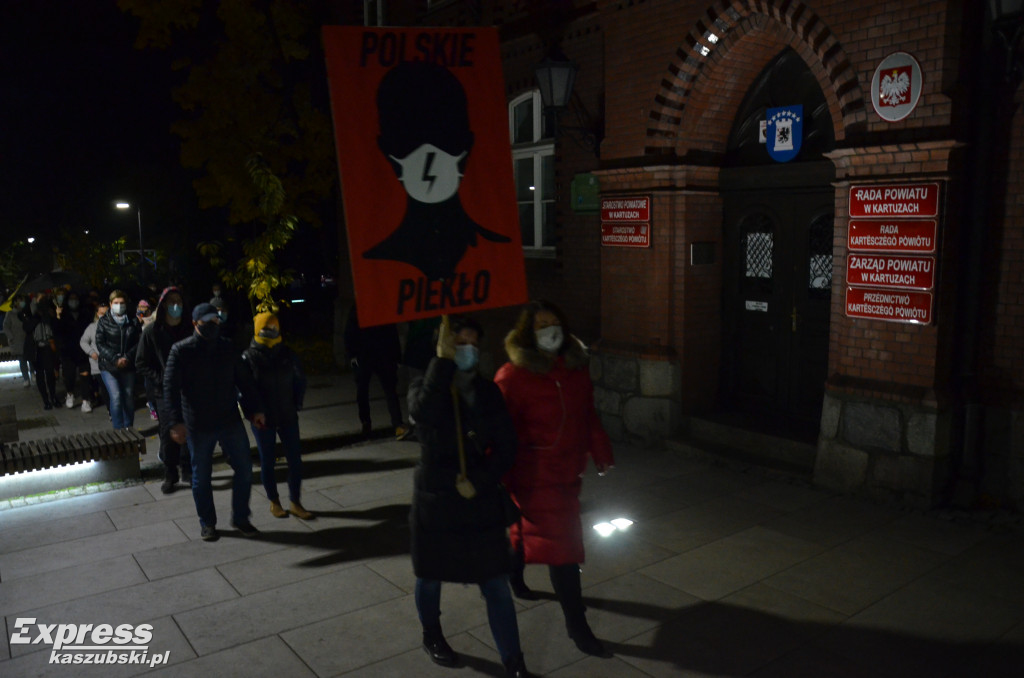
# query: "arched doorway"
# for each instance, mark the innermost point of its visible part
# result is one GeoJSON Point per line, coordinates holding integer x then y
{"type": "Point", "coordinates": [777, 259]}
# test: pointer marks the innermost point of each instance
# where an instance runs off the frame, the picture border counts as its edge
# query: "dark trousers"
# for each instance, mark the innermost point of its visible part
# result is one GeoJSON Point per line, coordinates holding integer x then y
{"type": "Point", "coordinates": [25, 367]}
{"type": "Point", "coordinates": [71, 367]}
{"type": "Point", "coordinates": [171, 453]}
{"type": "Point", "coordinates": [46, 378]}
{"type": "Point", "coordinates": [387, 375]}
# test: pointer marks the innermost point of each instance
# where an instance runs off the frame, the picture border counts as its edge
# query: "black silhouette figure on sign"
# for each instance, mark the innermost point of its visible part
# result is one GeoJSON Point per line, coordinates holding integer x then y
{"type": "Point", "coordinates": [425, 134]}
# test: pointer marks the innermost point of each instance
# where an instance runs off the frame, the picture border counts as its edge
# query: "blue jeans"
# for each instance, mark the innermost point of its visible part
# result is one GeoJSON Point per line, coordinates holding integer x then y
{"type": "Point", "coordinates": [235, 445]}
{"type": "Point", "coordinates": [501, 612]}
{"type": "Point", "coordinates": [293, 453]}
{"type": "Point", "coordinates": [121, 389]}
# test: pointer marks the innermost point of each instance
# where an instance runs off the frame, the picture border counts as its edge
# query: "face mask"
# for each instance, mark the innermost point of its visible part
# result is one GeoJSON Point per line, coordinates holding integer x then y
{"type": "Point", "coordinates": [33, 307]}
{"type": "Point", "coordinates": [60, 299]}
{"type": "Point", "coordinates": [117, 309]}
{"type": "Point", "coordinates": [550, 338]}
{"type": "Point", "coordinates": [209, 331]}
{"type": "Point", "coordinates": [20, 305]}
{"type": "Point", "coordinates": [466, 356]}
{"type": "Point", "coordinates": [216, 293]}
{"type": "Point", "coordinates": [72, 304]}
{"type": "Point", "coordinates": [270, 333]}
{"type": "Point", "coordinates": [429, 174]}
{"type": "Point", "coordinates": [174, 310]}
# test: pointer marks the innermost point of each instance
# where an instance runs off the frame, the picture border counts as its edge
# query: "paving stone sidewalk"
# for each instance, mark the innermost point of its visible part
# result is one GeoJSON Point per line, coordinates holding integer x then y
{"type": "Point", "coordinates": [726, 572]}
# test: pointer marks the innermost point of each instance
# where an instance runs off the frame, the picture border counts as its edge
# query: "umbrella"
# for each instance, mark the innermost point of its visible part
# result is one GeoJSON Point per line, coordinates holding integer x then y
{"type": "Point", "coordinates": [51, 280]}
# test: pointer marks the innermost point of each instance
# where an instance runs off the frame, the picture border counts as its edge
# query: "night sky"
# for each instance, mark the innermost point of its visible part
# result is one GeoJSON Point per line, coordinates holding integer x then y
{"type": "Point", "coordinates": [85, 121]}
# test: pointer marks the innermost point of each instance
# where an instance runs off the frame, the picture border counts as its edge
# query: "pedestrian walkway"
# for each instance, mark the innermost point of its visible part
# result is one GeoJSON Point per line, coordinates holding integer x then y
{"type": "Point", "coordinates": [724, 572]}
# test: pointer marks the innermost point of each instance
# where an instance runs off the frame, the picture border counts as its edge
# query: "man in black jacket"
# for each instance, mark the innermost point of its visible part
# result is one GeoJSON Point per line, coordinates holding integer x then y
{"type": "Point", "coordinates": [72, 320]}
{"type": "Point", "coordinates": [202, 380]}
{"type": "Point", "coordinates": [157, 338]}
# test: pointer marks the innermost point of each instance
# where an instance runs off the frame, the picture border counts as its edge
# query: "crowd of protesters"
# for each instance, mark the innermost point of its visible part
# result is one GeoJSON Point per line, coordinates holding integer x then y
{"type": "Point", "coordinates": [499, 478]}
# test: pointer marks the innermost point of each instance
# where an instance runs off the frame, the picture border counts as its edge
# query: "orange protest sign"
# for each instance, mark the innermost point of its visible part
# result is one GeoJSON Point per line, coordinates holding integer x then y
{"type": "Point", "coordinates": [421, 127]}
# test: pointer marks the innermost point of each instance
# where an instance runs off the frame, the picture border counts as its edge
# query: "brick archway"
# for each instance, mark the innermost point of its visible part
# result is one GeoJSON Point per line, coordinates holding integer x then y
{"type": "Point", "coordinates": [722, 54]}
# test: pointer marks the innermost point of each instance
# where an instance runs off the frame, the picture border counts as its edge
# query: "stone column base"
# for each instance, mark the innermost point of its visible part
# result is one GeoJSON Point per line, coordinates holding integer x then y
{"type": "Point", "coordinates": [637, 396]}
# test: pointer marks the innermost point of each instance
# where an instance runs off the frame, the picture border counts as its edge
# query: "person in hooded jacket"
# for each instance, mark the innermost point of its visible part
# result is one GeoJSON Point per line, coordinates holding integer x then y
{"type": "Point", "coordinates": [458, 522]}
{"type": "Point", "coordinates": [282, 386]}
{"type": "Point", "coordinates": [92, 373]}
{"type": "Point", "coordinates": [117, 340]}
{"type": "Point", "coordinates": [166, 329]}
{"type": "Point", "coordinates": [550, 397]}
{"type": "Point", "coordinates": [41, 347]}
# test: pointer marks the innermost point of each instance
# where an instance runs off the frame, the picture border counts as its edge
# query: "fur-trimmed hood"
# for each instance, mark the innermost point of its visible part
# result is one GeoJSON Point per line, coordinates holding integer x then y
{"type": "Point", "coordinates": [534, 360]}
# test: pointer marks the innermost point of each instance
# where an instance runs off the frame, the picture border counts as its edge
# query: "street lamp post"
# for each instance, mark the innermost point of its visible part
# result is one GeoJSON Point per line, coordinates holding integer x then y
{"type": "Point", "coordinates": [142, 252]}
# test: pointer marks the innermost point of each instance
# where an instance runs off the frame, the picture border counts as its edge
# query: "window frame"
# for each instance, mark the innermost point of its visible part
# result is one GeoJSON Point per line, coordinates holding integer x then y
{"type": "Point", "coordinates": [538, 148]}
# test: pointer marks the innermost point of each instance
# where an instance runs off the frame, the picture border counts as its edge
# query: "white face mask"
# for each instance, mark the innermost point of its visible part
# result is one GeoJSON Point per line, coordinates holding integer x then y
{"type": "Point", "coordinates": [117, 309]}
{"type": "Point", "coordinates": [550, 338]}
{"type": "Point", "coordinates": [429, 174]}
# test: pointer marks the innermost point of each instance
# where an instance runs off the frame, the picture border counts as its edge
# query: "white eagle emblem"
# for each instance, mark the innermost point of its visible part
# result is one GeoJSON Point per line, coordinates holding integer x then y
{"type": "Point", "coordinates": [893, 88]}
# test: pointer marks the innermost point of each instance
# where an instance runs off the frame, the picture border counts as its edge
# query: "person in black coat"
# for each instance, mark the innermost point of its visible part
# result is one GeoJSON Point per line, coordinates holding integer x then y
{"type": "Point", "coordinates": [117, 340]}
{"type": "Point", "coordinates": [167, 328]}
{"type": "Point", "coordinates": [72, 320]}
{"type": "Point", "coordinates": [41, 347]}
{"type": "Point", "coordinates": [202, 382]}
{"type": "Point", "coordinates": [458, 521]}
{"type": "Point", "coordinates": [282, 386]}
{"type": "Point", "coordinates": [374, 350]}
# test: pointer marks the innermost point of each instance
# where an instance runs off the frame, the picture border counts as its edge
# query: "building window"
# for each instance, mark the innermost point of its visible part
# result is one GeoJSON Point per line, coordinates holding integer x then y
{"type": "Point", "coordinates": [533, 166]}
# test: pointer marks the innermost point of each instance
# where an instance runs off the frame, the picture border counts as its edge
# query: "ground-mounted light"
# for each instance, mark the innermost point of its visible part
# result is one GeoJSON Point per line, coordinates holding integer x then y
{"type": "Point", "coordinates": [607, 529]}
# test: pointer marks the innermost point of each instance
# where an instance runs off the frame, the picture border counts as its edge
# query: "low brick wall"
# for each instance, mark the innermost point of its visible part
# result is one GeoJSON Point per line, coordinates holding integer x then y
{"type": "Point", "coordinates": [638, 398]}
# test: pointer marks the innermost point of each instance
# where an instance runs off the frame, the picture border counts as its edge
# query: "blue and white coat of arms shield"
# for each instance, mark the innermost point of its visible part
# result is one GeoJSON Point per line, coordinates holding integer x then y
{"type": "Point", "coordinates": [784, 132]}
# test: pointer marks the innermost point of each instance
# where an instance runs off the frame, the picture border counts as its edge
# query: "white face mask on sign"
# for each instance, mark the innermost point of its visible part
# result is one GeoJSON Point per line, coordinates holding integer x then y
{"type": "Point", "coordinates": [550, 338]}
{"type": "Point", "coordinates": [429, 174]}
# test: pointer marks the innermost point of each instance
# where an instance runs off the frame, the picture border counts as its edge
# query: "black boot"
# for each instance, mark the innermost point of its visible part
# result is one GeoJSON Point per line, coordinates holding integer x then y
{"type": "Point", "coordinates": [437, 647]}
{"type": "Point", "coordinates": [566, 581]}
{"type": "Point", "coordinates": [517, 668]}
{"type": "Point", "coordinates": [519, 587]}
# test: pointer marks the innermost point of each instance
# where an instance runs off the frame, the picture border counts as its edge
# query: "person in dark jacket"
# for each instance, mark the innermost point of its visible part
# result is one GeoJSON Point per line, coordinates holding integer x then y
{"type": "Point", "coordinates": [41, 347]}
{"type": "Point", "coordinates": [550, 396]}
{"type": "Point", "coordinates": [458, 521]}
{"type": "Point", "coordinates": [374, 350]}
{"type": "Point", "coordinates": [167, 328]}
{"type": "Point", "coordinates": [203, 378]}
{"type": "Point", "coordinates": [282, 386]}
{"type": "Point", "coordinates": [117, 340]}
{"type": "Point", "coordinates": [72, 320]}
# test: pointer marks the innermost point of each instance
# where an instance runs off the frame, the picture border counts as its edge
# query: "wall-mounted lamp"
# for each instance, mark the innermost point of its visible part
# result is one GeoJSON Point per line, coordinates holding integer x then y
{"type": "Point", "coordinates": [1008, 25]}
{"type": "Point", "coordinates": [556, 77]}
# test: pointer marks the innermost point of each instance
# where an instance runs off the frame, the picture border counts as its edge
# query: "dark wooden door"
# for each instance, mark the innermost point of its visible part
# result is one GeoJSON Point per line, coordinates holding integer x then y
{"type": "Point", "coordinates": [778, 226]}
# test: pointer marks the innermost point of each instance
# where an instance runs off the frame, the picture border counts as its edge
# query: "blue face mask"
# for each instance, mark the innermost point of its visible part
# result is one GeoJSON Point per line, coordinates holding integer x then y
{"type": "Point", "coordinates": [223, 316]}
{"type": "Point", "coordinates": [174, 310]}
{"type": "Point", "coordinates": [466, 356]}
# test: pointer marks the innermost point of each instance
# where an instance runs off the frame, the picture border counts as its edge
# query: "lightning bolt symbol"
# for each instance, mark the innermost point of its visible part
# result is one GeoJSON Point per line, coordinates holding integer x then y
{"type": "Point", "coordinates": [427, 176]}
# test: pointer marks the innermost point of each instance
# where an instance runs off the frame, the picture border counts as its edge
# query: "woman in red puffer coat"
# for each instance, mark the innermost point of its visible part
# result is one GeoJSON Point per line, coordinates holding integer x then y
{"type": "Point", "coordinates": [547, 388]}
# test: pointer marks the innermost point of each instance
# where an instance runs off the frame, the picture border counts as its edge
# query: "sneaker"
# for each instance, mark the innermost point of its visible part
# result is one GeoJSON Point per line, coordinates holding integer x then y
{"type": "Point", "coordinates": [27, 384]}
{"type": "Point", "coordinates": [402, 432]}
{"type": "Point", "coordinates": [245, 528]}
{"type": "Point", "coordinates": [209, 533]}
{"type": "Point", "coordinates": [69, 402]}
{"type": "Point", "coordinates": [152, 414]}
{"type": "Point", "coordinates": [86, 406]}
{"type": "Point", "coordinates": [299, 512]}
{"type": "Point", "coordinates": [277, 510]}
{"type": "Point", "coordinates": [168, 486]}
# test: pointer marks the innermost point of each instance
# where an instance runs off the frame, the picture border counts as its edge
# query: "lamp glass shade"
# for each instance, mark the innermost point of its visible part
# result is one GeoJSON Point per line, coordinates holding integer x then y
{"type": "Point", "coordinates": [556, 80]}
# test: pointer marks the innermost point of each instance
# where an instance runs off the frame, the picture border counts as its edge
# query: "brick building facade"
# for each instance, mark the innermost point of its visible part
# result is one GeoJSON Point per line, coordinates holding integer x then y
{"type": "Point", "coordinates": [692, 332]}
